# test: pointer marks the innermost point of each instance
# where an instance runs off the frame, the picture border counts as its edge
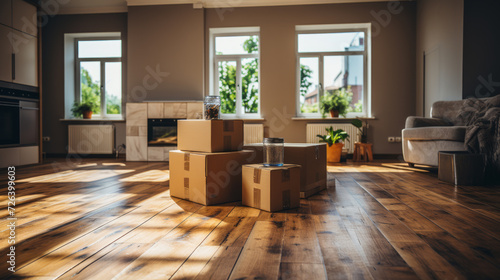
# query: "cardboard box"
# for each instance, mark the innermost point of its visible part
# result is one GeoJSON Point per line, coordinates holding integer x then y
{"type": "Point", "coordinates": [207, 178]}
{"type": "Point", "coordinates": [210, 136]}
{"type": "Point", "coordinates": [311, 157]}
{"type": "Point", "coordinates": [461, 168]}
{"type": "Point", "coordinates": [271, 188]}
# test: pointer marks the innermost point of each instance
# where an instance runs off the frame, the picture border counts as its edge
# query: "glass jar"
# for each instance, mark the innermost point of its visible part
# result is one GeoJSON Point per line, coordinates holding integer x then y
{"type": "Point", "coordinates": [273, 151]}
{"type": "Point", "coordinates": [212, 107]}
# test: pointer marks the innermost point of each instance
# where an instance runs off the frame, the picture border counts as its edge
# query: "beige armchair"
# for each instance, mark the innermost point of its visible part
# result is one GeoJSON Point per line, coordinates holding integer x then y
{"type": "Point", "coordinates": [423, 138]}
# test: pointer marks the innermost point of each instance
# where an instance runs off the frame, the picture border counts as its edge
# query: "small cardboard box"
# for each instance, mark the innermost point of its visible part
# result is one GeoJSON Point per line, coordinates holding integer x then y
{"type": "Point", "coordinates": [311, 157]}
{"type": "Point", "coordinates": [461, 168]}
{"type": "Point", "coordinates": [210, 136]}
{"type": "Point", "coordinates": [207, 178]}
{"type": "Point", "coordinates": [271, 188]}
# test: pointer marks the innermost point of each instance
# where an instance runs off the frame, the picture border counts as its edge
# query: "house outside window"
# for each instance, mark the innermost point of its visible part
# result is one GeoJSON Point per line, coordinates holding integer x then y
{"type": "Point", "coordinates": [235, 71]}
{"type": "Point", "coordinates": [333, 59]}
{"type": "Point", "coordinates": [98, 75]}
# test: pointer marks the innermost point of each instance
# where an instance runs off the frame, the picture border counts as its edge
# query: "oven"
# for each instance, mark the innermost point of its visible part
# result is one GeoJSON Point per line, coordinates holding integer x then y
{"type": "Point", "coordinates": [9, 122]}
{"type": "Point", "coordinates": [162, 132]}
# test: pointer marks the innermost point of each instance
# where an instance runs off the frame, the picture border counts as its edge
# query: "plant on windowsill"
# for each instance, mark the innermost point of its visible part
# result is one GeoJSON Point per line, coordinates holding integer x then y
{"type": "Point", "coordinates": [336, 103]}
{"type": "Point", "coordinates": [83, 109]}
{"type": "Point", "coordinates": [363, 129]}
{"type": "Point", "coordinates": [335, 140]}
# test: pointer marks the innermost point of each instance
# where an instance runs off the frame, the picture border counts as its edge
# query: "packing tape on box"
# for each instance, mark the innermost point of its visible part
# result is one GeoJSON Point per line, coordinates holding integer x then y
{"type": "Point", "coordinates": [286, 199]}
{"type": "Point", "coordinates": [285, 175]}
{"type": "Point", "coordinates": [227, 143]}
{"type": "Point", "coordinates": [256, 175]}
{"type": "Point", "coordinates": [228, 126]}
{"type": "Point", "coordinates": [186, 188]}
{"type": "Point", "coordinates": [186, 162]}
{"type": "Point", "coordinates": [256, 197]}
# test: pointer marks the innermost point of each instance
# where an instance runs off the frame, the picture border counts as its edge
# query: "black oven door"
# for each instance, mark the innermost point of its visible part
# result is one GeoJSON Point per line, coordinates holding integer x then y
{"type": "Point", "coordinates": [9, 122]}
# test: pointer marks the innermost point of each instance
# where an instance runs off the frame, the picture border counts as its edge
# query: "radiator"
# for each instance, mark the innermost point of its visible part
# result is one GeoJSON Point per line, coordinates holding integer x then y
{"type": "Point", "coordinates": [314, 129]}
{"type": "Point", "coordinates": [91, 139]}
{"type": "Point", "coordinates": [253, 133]}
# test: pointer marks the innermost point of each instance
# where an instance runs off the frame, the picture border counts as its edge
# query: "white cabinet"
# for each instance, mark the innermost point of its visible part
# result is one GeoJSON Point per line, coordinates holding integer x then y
{"type": "Point", "coordinates": [19, 44]}
{"type": "Point", "coordinates": [24, 17]}
{"type": "Point", "coordinates": [18, 156]}
{"type": "Point", "coordinates": [25, 60]}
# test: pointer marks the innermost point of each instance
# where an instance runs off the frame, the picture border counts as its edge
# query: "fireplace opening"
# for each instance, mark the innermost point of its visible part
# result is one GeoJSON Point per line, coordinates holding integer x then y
{"type": "Point", "coordinates": [162, 132]}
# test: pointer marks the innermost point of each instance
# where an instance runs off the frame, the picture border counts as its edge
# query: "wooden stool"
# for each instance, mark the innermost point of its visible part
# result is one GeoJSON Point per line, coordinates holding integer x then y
{"type": "Point", "coordinates": [362, 152]}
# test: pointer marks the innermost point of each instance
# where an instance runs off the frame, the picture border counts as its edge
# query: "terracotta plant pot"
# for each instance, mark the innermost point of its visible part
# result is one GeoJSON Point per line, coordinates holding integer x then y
{"type": "Point", "coordinates": [334, 113]}
{"type": "Point", "coordinates": [87, 115]}
{"type": "Point", "coordinates": [334, 152]}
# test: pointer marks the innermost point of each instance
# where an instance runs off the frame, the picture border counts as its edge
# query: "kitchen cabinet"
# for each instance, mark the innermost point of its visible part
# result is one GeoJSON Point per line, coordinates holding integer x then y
{"type": "Point", "coordinates": [19, 48]}
{"type": "Point", "coordinates": [5, 55]}
{"type": "Point", "coordinates": [24, 17]}
{"type": "Point", "coordinates": [6, 12]}
{"type": "Point", "coordinates": [25, 60]}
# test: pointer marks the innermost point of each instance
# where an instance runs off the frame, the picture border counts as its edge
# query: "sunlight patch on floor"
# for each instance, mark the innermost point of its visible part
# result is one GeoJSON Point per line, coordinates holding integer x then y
{"type": "Point", "coordinates": [75, 176]}
{"type": "Point", "coordinates": [149, 176]}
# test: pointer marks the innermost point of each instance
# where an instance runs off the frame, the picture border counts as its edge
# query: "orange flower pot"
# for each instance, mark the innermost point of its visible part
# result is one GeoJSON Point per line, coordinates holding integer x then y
{"type": "Point", "coordinates": [334, 152]}
{"type": "Point", "coordinates": [87, 115]}
{"type": "Point", "coordinates": [334, 113]}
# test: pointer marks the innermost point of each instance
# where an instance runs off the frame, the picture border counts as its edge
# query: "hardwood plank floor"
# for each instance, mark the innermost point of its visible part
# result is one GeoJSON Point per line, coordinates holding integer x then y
{"type": "Point", "coordinates": [111, 219]}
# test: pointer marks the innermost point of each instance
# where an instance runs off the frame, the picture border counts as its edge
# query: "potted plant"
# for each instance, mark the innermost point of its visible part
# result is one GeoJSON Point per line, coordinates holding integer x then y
{"type": "Point", "coordinates": [363, 129]}
{"type": "Point", "coordinates": [83, 109]}
{"type": "Point", "coordinates": [336, 103]}
{"type": "Point", "coordinates": [334, 139]}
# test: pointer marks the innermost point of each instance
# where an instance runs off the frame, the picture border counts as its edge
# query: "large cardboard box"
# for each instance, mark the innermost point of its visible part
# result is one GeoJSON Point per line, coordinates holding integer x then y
{"type": "Point", "coordinates": [312, 159]}
{"type": "Point", "coordinates": [210, 136]}
{"type": "Point", "coordinates": [207, 178]}
{"type": "Point", "coordinates": [461, 168]}
{"type": "Point", "coordinates": [271, 188]}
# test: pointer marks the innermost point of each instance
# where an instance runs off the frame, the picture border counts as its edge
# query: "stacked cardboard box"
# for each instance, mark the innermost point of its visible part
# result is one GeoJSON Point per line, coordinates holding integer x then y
{"type": "Point", "coordinates": [311, 158]}
{"type": "Point", "coordinates": [271, 188]}
{"type": "Point", "coordinates": [207, 167]}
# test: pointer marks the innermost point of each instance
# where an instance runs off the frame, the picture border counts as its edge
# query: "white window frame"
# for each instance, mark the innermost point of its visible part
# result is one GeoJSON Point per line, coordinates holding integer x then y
{"type": "Point", "coordinates": [102, 61]}
{"type": "Point", "coordinates": [214, 67]}
{"type": "Point", "coordinates": [335, 28]}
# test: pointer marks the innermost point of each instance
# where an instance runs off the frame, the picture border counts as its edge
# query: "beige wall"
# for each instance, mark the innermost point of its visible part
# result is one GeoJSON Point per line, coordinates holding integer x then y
{"type": "Point", "coordinates": [393, 63]}
{"type": "Point", "coordinates": [168, 39]}
{"type": "Point", "coordinates": [440, 36]}
{"type": "Point", "coordinates": [53, 71]}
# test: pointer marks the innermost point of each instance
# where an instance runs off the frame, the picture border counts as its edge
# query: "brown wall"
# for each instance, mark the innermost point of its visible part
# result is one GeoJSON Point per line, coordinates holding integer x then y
{"type": "Point", "coordinates": [439, 32]}
{"type": "Point", "coordinates": [393, 63]}
{"type": "Point", "coordinates": [169, 37]}
{"type": "Point", "coordinates": [53, 71]}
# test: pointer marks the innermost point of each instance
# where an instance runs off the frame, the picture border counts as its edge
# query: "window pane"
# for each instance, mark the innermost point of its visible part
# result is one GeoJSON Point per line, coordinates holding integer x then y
{"type": "Point", "coordinates": [236, 44]}
{"type": "Point", "coordinates": [309, 84]}
{"type": "Point", "coordinates": [250, 83]}
{"type": "Point", "coordinates": [100, 48]}
{"type": "Point", "coordinates": [227, 86]}
{"type": "Point", "coordinates": [113, 87]}
{"type": "Point", "coordinates": [331, 42]}
{"type": "Point", "coordinates": [346, 73]}
{"type": "Point", "coordinates": [90, 84]}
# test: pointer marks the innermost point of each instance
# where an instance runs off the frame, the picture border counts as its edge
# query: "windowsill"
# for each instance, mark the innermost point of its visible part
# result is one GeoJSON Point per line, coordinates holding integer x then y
{"type": "Point", "coordinates": [92, 120]}
{"type": "Point", "coordinates": [246, 119]}
{"type": "Point", "coordinates": [330, 119]}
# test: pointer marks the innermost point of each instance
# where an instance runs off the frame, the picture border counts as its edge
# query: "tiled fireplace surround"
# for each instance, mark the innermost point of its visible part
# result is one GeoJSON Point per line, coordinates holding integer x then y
{"type": "Point", "coordinates": [137, 126]}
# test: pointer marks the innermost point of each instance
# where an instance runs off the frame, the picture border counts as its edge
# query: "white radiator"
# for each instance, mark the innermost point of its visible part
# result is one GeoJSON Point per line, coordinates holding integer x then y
{"type": "Point", "coordinates": [253, 133]}
{"type": "Point", "coordinates": [313, 129]}
{"type": "Point", "coordinates": [91, 139]}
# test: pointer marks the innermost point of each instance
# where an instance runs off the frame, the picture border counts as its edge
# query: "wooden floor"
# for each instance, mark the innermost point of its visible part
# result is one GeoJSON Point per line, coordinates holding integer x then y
{"type": "Point", "coordinates": [104, 219]}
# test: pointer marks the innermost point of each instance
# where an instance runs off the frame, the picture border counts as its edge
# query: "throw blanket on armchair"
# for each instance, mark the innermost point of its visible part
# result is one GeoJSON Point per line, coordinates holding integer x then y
{"type": "Point", "coordinates": [482, 117]}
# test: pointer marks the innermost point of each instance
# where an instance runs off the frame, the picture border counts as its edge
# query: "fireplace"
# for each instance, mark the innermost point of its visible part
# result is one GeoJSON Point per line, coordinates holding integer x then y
{"type": "Point", "coordinates": [162, 132]}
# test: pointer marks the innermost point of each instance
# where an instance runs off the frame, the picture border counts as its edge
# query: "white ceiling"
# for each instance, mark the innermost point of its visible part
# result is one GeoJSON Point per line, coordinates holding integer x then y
{"type": "Point", "coordinates": [115, 6]}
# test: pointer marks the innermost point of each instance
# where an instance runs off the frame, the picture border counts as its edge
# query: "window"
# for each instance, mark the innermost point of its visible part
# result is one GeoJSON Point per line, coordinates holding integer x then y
{"type": "Point", "coordinates": [234, 74]}
{"type": "Point", "coordinates": [98, 79]}
{"type": "Point", "coordinates": [333, 59]}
